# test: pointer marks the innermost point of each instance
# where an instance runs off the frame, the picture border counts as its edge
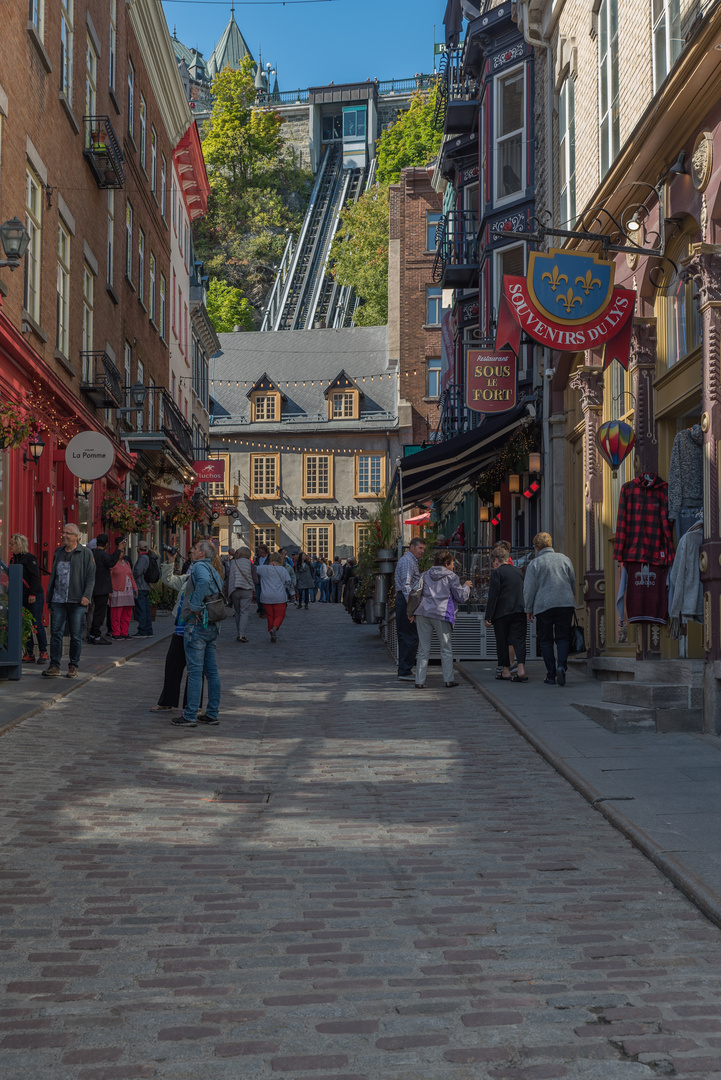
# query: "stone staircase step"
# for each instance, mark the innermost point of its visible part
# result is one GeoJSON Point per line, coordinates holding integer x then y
{"type": "Point", "coordinates": [669, 720]}
{"type": "Point", "coordinates": [649, 695]}
{"type": "Point", "coordinates": [620, 719]}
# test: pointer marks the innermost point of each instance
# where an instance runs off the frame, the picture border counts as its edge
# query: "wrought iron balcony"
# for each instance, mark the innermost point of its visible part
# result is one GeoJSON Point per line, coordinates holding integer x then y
{"type": "Point", "coordinates": [176, 427]}
{"type": "Point", "coordinates": [103, 153]}
{"type": "Point", "coordinates": [456, 111]}
{"type": "Point", "coordinates": [456, 263]}
{"type": "Point", "coordinates": [101, 380]}
{"type": "Point", "coordinates": [159, 426]}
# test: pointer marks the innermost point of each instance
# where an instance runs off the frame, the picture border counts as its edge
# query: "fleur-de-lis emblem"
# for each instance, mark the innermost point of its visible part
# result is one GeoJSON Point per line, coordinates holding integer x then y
{"type": "Point", "coordinates": [568, 300]}
{"type": "Point", "coordinates": [588, 282]}
{"type": "Point", "coordinates": [554, 279]}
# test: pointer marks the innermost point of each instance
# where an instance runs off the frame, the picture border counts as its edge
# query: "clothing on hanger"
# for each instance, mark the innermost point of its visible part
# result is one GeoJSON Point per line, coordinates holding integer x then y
{"type": "Point", "coordinates": [685, 472]}
{"type": "Point", "coordinates": [643, 531]}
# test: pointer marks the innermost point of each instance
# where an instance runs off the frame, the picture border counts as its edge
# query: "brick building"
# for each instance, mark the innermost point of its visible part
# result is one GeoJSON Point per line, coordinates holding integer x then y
{"type": "Point", "coordinates": [89, 124]}
{"type": "Point", "coordinates": [415, 301]}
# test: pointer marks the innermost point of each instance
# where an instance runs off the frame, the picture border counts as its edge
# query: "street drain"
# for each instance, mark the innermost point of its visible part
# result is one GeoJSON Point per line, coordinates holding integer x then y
{"type": "Point", "coordinates": [240, 797]}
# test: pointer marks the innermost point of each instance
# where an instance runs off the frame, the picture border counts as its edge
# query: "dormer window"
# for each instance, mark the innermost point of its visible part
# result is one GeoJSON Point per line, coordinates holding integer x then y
{"type": "Point", "coordinates": [343, 398]}
{"type": "Point", "coordinates": [265, 401]}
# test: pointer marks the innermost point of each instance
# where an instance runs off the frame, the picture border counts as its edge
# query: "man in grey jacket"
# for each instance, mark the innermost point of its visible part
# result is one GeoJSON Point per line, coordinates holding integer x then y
{"type": "Point", "coordinates": [70, 590]}
{"type": "Point", "coordinates": [142, 602]}
{"type": "Point", "coordinates": [549, 593]}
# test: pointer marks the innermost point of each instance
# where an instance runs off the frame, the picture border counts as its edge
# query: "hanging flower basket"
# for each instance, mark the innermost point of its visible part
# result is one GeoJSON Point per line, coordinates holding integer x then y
{"type": "Point", "coordinates": [15, 427]}
{"type": "Point", "coordinates": [188, 512]}
{"type": "Point", "coordinates": [118, 512]}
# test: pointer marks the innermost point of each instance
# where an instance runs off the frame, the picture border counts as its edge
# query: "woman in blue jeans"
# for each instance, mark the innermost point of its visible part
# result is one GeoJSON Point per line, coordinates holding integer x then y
{"type": "Point", "coordinates": [200, 637]}
{"type": "Point", "coordinates": [33, 597]}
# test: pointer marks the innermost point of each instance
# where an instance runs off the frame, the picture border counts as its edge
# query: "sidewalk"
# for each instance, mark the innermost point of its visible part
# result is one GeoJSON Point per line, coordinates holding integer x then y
{"type": "Point", "coordinates": [32, 694]}
{"type": "Point", "coordinates": [662, 791]}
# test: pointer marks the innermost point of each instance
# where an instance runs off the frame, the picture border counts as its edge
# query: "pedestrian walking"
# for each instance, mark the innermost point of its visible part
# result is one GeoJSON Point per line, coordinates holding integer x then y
{"type": "Point", "coordinates": [324, 581]}
{"type": "Point", "coordinates": [440, 593]}
{"type": "Point", "coordinates": [200, 636]}
{"type": "Point", "coordinates": [337, 579]}
{"type": "Point", "coordinates": [241, 590]}
{"type": "Point", "coordinates": [549, 592]}
{"type": "Point", "coordinates": [122, 598]}
{"type": "Point", "coordinates": [70, 590]}
{"type": "Point", "coordinates": [142, 602]}
{"type": "Point", "coordinates": [304, 580]}
{"type": "Point", "coordinates": [175, 662]}
{"type": "Point", "coordinates": [104, 563]}
{"type": "Point", "coordinates": [505, 612]}
{"type": "Point", "coordinates": [33, 596]}
{"type": "Point", "coordinates": [290, 567]}
{"type": "Point", "coordinates": [275, 586]}
{"type": "Point", "coordinates": [406, 579]}
{"type": "Point", "coordinates": [262, 555]}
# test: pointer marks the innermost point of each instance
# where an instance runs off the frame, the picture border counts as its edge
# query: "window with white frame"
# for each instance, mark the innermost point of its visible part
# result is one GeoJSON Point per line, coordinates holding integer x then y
{"type": "Point", "coordinates": [131, 98]}
{"type": "Point", "coordinates": [63, 300]}
{"type": "Point", "coordinates": [33, 211]}
{"type": "Point", "coordinates": [141, 265]}
{"type": "Point", "coordinates": [153, 158]}
{"type": "Point", "coordinates": [129, 241]}
{"type": "Point", "coordinates": [111, 236]}
{"type": "Point", "coordinates": [432, 222]}
{"type": "Point", "coordinates": [66, 49]}
{"type": "Point", "coordinates": [264, 534]}
{"type": "Point", "coordinates": [510, 135]}
{"type": "Point", "coordinates": [151, 287]}
{"type": "Point", "coordinates": [128, 371]}
{"type": "Point", "coordinates": [369, 474]}
{"type": "Point", "coordinates": [608, 93]}
{"type": "Point", "coordinates": [113, 44]}
{"type": "Point", "coordinates": [140, 416]}
{"type": "Point", "coordinates": [161, 312]}
{"type": "Point", "coordinates": [470, 205]}
{"type": "Point", "coordinates": [316, 475]}
{"type": "Point", "coordinates": [37, 17]}
{"type": "Point", "coordinates": [344, 405]}
{"type": "Point", "coordinates": [142, 129]}
{"type": "Point", "coordinates": [434, 303]}
{"type": "Point", "coordinates": [264, 475]}
{"type": "Point", "coordinates": [91, 84]}
{"type": "Point", "coordinates": [317, 540]}
{"type": "Point", "coordinates": [507, 260]}
{"type": "Point", "coordinates": [667, 40]}
{"type": "Point", "coordinates": [567, 153]}
{"type": "Point", "coordinates": [163, 181]}
{"type": "Point", "coordinates": [151, 404]}
{"type": "Point", "coordinates": [264, 406]}
{"type": "Point", "coordinates": [88, 317]}
{"type": "Point", "coordinates": [433, 389]}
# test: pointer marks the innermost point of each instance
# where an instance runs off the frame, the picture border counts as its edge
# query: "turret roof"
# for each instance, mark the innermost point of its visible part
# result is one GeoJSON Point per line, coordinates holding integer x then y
{"type": "Point", "coordinates": [230, 50]}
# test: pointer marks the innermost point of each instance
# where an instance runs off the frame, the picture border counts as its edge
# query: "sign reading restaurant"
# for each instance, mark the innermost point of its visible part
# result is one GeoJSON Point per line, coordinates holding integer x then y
{"type": "Point", "coordinates": [490, 381]}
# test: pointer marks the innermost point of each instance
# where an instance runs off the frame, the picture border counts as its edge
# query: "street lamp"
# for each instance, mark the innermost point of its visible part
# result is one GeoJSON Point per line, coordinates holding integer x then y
{"type": "Point", "coordinates": [138, 393]}
{"type": "Point", "coordinates": [85, 487]}
{"type": "Point", "coordinates": [15, 239]}
{"type": "Point", "coordinates": [534, 461]}
{"type": "Point", "coordinates": [35, 449]}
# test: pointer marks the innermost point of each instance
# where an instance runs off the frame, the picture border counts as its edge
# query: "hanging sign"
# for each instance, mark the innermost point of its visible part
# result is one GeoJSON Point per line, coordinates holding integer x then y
{"type": "Point", "coordinates": [89, 455]}
{"type": "Point", "coordinates": [567, 301]}
{"type": "Point", "coordinates": [490, 381]}
{"type": "Point", "coordinates": [211, 471]}
{"type": "Point", "coordinates": [165, 498]}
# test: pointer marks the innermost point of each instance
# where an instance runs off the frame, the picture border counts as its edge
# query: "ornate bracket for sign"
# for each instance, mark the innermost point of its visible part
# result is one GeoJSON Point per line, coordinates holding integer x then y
{"type": "Point", "coordinates": [599, 226]}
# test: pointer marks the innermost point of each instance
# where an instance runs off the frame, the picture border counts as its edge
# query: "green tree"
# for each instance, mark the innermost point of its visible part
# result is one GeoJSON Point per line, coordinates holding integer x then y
{"type": "Point", "coordinates": [227, 307]}
{"type": "Point", "coordinates": [360, 254]}
{"type": "Point", "coordinates": [411, 141]}
{"type": "Point", "coordinates": [257, 193]}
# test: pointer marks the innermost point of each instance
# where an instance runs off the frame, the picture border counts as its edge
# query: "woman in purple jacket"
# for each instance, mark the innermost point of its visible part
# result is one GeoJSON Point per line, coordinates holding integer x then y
{"type": "Point", "coordinates": [441, 592]}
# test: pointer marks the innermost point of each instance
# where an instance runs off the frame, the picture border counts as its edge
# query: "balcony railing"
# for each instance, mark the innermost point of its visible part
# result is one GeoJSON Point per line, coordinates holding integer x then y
{"type": "Point", "coordinates": [456, 262]}
{"type": "Point", "coordinates": [103, 153]}
{"type": "Point", "coordinates": [159, 420]}
{"type": "Point", "coordinates": [387, 88]}
{"type": "Point", "coordinates": [176, 427]}
{"type": "Point", "coordinates": [101, 380]}
{"type": "Point", "coordinates": [456, 110]}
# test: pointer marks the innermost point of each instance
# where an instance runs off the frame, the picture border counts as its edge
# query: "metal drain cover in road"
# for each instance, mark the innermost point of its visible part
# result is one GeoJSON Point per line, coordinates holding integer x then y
{"type": "Point", "coordinates": [241, 797]}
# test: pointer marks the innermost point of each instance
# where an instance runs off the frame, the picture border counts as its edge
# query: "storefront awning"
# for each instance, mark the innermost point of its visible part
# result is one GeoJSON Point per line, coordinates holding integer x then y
{"type": "Point", "coordinates": [429, 472]}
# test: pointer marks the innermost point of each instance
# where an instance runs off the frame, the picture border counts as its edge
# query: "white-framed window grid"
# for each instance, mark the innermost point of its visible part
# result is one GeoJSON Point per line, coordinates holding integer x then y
{"type": "Point", "coordinates": [434, 305]}
{"type": "Point", "coordinates": [264, 407]}
{"type": "Point", "coordinates": [567, 153]}
{"type": "Point", "coordinates": [264, 475]}
{"type": "Point", "coordinates": [153, 158]}
{"type": "Point", "coordinates": [142, 129]}
{"type": "Point", "coordinates": [510, 134]}
{"type": "Point", "coordinates": [343, 405]}
{"type": "Point", "coordinates": [667, 40]}
{"type": "Point", "coordinates": [317, 474]}
{"type": "Point", "coordinates": [33, 221]}
{"type": "Point", "coordinates": [161, 310]}
{"type": "Point", "coordinates": [63, 295]}
{"type": "Point", "coordinates": [128, 371]}
{"type": "Point", "coordinates": [88, 318]}
{"type": "Point", "coordinates": [151, 287]}
{"type": "Point", "coordinates": [129, 240]}
{"type": "Point", "coordinates": [37, 17]}
{"type": "Point", "coordinates": [609, 124]}
{"type": "Point", "coordinates": [131, 98]}
{"type": "Point", "coordinates": [112, 52]}
{"type": "Point", "coordinates": [141, 265]}
{"type": "Point", "coordinates": [91, 84]}
{"type": "Point", "coordinates": [264, 534]}
{"type": "Point", "coordinates": [66, 48]}
{"type": "Point", "coordinates": [140, 415]}
{"type": "Point", "coordinates": [163, 182]}
{"type": "Point", "coordinates": [433, 220]}
{"type": "Point", "coordinates": [370, 474]}
{"type": "Point", "coordinates": [111, 236]}
{"type": "Point", "coordinates": [318, 540]}
{"type": "Point", "coordinates": [433, 388]}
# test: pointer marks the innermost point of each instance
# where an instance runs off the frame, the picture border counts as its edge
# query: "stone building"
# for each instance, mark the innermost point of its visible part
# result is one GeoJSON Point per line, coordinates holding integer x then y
{"type": "Point", "coordinates": [307, 424]}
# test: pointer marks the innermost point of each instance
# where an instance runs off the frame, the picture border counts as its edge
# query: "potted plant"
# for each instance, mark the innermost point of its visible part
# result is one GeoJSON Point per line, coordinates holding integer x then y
{"type": "Point", "coordinates": [15, 427]}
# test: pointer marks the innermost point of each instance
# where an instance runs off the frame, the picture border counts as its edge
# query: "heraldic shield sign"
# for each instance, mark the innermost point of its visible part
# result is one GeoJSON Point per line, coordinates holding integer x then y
{"type": "Point", "coordinates": [567, 301]}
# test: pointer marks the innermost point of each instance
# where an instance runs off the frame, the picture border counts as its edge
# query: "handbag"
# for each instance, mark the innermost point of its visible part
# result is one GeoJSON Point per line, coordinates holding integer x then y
{"type": "Point", "coordinates": [578, 638]}
{"type": "Point", "coordinates": [215, 605]}
{"type": "Point", "coordinates": [414, 598]}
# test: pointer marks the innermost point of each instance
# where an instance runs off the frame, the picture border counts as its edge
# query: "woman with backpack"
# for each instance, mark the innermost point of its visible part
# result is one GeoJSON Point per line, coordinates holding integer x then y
{"type": "Point", "coordinates": [432, 605]}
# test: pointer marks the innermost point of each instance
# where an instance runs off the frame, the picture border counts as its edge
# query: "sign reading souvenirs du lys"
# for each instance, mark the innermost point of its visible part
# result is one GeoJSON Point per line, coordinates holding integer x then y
{"type": "Point", "coordinates": [567, 301]}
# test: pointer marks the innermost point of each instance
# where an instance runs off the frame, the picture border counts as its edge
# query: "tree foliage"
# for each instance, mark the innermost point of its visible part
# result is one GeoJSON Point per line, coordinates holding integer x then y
{"type": "Point", "coordinates": [257, 193]}
{"type": "Point", "coordinates": [227, 307]}
{"type": "Point", "coordinates": [411, 141]}
{"type": "Point", "coordinates": [360, 254]}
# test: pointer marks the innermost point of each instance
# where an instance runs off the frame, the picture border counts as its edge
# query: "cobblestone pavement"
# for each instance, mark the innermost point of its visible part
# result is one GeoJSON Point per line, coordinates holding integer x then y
{"type": "Point", "coordinates": [409, 893]}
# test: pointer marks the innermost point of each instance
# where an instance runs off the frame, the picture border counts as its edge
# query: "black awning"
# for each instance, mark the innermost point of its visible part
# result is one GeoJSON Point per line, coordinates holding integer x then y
{"type": "Point", "coordinates": [430, 472]}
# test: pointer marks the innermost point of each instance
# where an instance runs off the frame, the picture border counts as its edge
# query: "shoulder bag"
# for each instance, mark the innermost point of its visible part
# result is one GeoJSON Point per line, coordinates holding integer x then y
{"type": "Point", "coordinates": [215, 604]}
{"type": "Point", "coordinates": [578, 638]}
{"type": "Point", "coordinates": [414, 597]}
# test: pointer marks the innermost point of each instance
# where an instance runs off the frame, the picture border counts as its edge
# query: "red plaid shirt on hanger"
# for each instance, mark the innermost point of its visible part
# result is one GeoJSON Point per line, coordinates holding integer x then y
{"type": "Point", "coordinates": [643, 531]}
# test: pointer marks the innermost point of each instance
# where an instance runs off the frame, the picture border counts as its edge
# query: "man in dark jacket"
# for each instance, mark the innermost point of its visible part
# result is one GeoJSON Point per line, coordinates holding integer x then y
{"type": "Point", "coordinates": [504, 610]}
{"type": "Point", "coordinates": [103, 587]}
{"type": "Point", "coordinates": [70, 590]}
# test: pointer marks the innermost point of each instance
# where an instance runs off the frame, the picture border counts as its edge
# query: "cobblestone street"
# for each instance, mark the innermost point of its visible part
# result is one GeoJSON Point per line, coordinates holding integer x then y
{"type": "Point", "coordinates": [347, 880]}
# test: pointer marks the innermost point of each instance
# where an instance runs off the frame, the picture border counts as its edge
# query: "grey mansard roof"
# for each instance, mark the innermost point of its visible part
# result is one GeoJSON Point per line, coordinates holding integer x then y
{"type": "Point", "coordinates": [230, 50]}
{"type": "Point", "coordinates": [304, 356]}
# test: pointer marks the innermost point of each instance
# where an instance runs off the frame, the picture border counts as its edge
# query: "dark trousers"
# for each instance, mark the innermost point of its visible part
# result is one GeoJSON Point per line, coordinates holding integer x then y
{"type": "Point", "coordinates": [142, 613]}
{"type": "Point", "coordinates": [407, 637]}
{"type": "Point", "coordinates": [36, 610]}
{"type": "Point", "coordinates": [554, 625]}
{"type": "Point", "coordinates": [511, 630]}
{"type": "Point", "coordinates": [336, 590]}
{"type": "Point", "coordinates": [100, 610]}
{"type": "Point", "coordinates": [174, 668]}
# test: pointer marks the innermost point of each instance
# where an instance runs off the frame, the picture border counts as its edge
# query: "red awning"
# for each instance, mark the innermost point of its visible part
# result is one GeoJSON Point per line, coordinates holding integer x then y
{"type": "Point", "coordinates": [420, 520]}
{"type": "Point", "coordinates": [188, 158]}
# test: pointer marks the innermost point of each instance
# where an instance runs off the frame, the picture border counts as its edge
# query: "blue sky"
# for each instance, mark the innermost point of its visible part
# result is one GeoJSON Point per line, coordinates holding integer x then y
{"type": "Point", "coordinates": [314, 44]}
